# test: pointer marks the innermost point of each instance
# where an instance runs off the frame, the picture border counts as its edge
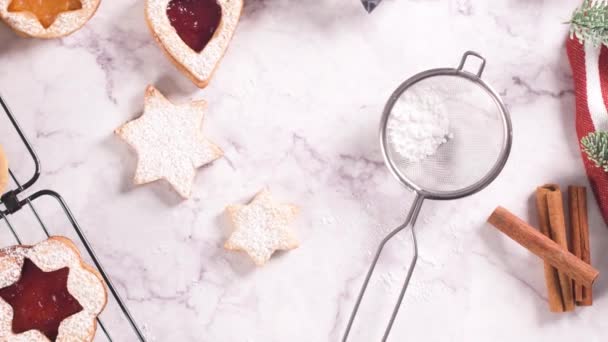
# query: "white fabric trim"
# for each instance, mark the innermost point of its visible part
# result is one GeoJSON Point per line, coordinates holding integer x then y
{"type": "Point", "coordinates": [595, 102]}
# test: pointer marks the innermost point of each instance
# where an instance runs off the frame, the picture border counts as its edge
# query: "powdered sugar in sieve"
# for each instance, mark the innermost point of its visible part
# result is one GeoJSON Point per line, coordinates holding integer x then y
{"type": "Point", "coordinates": [418, 125]}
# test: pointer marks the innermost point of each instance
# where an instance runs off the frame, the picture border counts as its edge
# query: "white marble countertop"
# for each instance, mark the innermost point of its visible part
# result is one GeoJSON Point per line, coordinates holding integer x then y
{"type": "Point", "coordinates": [295, 105]}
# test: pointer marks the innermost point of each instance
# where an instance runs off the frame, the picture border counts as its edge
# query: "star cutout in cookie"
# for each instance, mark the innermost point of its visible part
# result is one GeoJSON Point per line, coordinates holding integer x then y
{"type": "Point", "coordinates": [261, 227]}
{"type": "Point", "coordinates": [169, 142]}
{"type": "Point", "coordinates": [40, 300]}
{"type": "Point", "coordinates": [45, 11]}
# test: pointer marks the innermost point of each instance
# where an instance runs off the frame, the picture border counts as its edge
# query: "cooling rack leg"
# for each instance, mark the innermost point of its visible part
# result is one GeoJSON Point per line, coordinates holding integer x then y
{"type": "Point", "coordinates": [28, 146]}
{"type": "Point", "coordinates": [105, 331]}
{"type": "Point", "coordinates": [10, 227]}
{"type": "Point", "coordinates": [17, 205]}
{"type": "Point", "coordinates": [93, 256]}
{"type": "Point", "coordinates": [48, 235]}
{"type": "Point", "coordinates": [111, 286]}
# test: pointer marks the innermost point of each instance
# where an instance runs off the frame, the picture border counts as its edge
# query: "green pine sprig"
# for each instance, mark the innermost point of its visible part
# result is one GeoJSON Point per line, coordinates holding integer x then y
{"type": "Point", "coordinates": [589, 22]}
{"type": "Point", "coordinates": [595, 145]}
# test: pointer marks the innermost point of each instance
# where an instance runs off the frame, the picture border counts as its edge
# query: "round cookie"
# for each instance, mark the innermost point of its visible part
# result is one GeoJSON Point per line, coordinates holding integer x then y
{"type": "Point", "coordinates": [44, 281]}
{"type": "Point", "coordinates": [39, 19]}
{"type": "Point", "coordinates": [3, 171]}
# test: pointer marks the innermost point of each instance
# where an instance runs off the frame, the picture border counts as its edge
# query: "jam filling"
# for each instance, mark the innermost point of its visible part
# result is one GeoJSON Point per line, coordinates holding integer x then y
{"type": "Point", "coordinates": [195, 21]}
{"type": "Point", "coordinates": [40, 300]}
{"type": "Point", "coordinates": [45, 10]}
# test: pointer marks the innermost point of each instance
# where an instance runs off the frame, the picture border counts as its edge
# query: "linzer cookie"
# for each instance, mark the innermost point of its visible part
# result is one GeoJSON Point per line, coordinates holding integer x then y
{"type": "Point", "coordinates": [3, 171]}
{"type": "Point", "coordinates": [169, 142]}
{"type": "Point", "coordinates": [47, 18]}
{"type": "Point", "coordinates": [194, 33]}
{"type": "Point", "coordinates": [48, 293]}
{"type": "Point", "coordinates": [261, 227]}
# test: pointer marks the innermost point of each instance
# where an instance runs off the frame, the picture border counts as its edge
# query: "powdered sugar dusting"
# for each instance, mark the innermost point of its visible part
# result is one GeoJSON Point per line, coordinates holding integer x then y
{"type": "Point", "coordinates": [83, 284]}
{"type": "Point", "coordinates": [169, 142]}
{"type": "Point", "coordinates": [200, 65]}
{"type": "Point", "coordinates": [261, 227]}
{"type": "Point", "coordinates": [418, 125]}
{"type": "Point", "coordinates": [64, 24]}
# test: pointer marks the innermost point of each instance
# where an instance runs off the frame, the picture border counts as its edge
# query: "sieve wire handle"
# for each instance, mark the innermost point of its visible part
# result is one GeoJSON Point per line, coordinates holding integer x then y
{"type": "Point", "coordinates": [464, 60]}
{"type": "Point", "coordinates": [409, 222]}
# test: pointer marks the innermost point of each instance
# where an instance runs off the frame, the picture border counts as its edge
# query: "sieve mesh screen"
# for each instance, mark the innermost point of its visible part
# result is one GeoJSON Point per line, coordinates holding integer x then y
{"type": "Point", "coordinates": [475, 140]}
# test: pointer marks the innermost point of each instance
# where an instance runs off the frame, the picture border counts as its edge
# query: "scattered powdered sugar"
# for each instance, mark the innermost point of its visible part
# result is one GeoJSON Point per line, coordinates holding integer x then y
{"type": "Point", "coordinates": [425, 291]}
{"type": "Point", "coordinates": [83, 284]}
{"type": "Point", "coordinates": [418, 125]}
{"type": "Point", "coordinates": [389, 279]}
{"type": "Point", "coordinates": [464, 7]}
{"type": "Point", "coordinates": [418, 291]}
{"type": "Point", "coordinates": [328, 220]}
{"type": "Point", "coordinates": [64, 24]}
{"type": "Point", "coordinates": [261, 227]}
{"type": "Point", "coordinates": [162, 249]}
{"type": "Point", "coordinates": [169, 142]}
{"type": "Point", "coordinates": [200, 65]}
{"type": "Point", "coordinates": [146, 331]}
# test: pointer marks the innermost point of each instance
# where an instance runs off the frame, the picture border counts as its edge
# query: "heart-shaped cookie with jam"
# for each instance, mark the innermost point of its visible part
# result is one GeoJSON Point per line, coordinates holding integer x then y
{"type": "Point", "coordinates": [194, 33]}
{"type": "Point", "coordinates": [47, 18]}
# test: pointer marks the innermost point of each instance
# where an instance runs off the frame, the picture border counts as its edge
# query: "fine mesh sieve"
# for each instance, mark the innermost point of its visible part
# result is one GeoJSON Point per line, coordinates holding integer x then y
{"type": "Point", "coordinates": [474, 150]}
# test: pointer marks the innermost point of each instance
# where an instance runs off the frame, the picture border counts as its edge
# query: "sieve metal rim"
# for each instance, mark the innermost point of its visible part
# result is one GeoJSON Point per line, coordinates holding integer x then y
{"type": "Point", "coordinates": [505, 117]}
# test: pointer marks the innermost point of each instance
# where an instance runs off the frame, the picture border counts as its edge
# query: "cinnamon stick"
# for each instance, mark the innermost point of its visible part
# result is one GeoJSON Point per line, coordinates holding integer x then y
{"type": "Point", "coordinates": [554, 293]}
{"type": "Point", "coordinates": [557, 223]}
{"type": "Point", "coordinates": [580, 238]}
{"type": "Point", "coordinates": [575, 235]}
{"type": "Point", "coordinates": [540, 245]}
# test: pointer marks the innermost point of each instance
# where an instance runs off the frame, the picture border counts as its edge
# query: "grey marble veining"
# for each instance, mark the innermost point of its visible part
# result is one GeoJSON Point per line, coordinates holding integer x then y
{"type": "Point", "coordinates": [295, 105]}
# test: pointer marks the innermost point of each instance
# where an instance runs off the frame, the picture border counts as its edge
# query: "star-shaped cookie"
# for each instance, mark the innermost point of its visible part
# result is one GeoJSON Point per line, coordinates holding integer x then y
{"type": "Point", "coordinates": [169, 142]}
{"type": "Point", "coordinates": [261, 227]}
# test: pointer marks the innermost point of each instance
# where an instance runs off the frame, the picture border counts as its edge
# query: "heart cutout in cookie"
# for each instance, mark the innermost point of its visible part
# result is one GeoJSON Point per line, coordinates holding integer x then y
{"type": "Point", "coordinates": [195, 21]}
{"type": "Point", "coordinates": [194, 33]}
{"type": "Point", "coordinates": [47, 18]}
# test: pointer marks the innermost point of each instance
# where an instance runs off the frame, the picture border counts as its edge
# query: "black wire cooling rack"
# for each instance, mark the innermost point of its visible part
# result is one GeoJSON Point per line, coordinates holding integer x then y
{"type": "Point", "coordinates": [11, 202]}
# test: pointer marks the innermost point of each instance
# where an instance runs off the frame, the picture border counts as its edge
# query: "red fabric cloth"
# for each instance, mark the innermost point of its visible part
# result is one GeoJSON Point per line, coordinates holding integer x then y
{"type": "Point", "coordinates": [598, 178]}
